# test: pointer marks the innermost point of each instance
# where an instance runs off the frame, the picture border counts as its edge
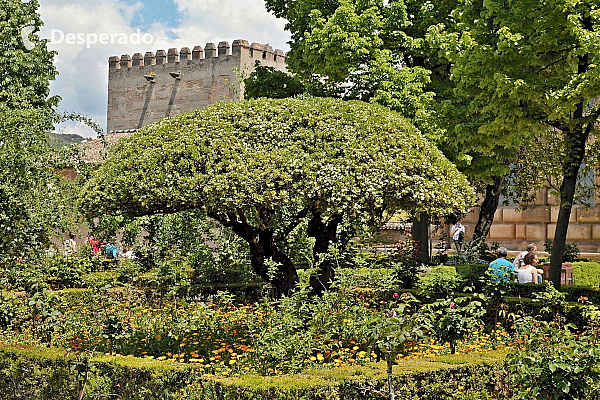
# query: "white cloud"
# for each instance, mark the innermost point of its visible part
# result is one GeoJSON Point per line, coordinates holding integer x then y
{"type": "Point", "coordinates": [77, 128]}
{"type": "Point", "coordinates": [83, 72]}
{"type": "Point", "coordinates": [218, 20]}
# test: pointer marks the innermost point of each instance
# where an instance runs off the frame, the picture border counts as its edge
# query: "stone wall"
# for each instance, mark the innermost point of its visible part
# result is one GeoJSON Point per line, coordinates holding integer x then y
{"type": "Point", "coordinates": [145, 88]}
{"type": "Point", "coordinates": [514, 229]}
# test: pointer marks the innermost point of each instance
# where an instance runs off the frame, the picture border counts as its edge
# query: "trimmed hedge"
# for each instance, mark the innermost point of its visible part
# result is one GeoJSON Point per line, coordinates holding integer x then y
{"type": "Point", "coordinates": [39, 373]}
{"type": "Point", "coordinates": [586, 273]}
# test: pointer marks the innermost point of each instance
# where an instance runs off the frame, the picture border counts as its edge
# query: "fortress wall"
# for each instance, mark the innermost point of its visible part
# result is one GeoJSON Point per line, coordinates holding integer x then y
{"type": "Point", "coordinates": [514, 229]}
{"type": "Point", "coordinates": [145, 88]}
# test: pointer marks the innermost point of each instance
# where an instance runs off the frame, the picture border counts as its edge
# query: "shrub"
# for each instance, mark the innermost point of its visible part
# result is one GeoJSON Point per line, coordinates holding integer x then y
{"type": "Point", "coordinates": [371, 278]}
{"type": "Point", "coordinates": [554, 364]}
{"type": "Point", "coordinates": [586, 273]}
{"type": "Point", "coordinates": [582, 294]}
{"type": "Point", "coordinates": [47, 374]}
{"type": "Point", "coordinates": [473, 274]}
{"type": "Point", "coordinates": [440, 281]}
{"type": "Point", "coordinates": [453, 319]}
{"type": "Point", "coordinates": [570, 253]}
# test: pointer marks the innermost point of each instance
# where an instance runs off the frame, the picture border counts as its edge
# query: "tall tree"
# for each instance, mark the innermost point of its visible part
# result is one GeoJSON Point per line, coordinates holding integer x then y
{"type": "Point", "coordinates": [532, 67]}
{"type": "Point", "coordinates": [269, 169]}
{"type": "Point", "coordinates": [379, 51]}
{"type": "Point", "coordinates": [26, 115]}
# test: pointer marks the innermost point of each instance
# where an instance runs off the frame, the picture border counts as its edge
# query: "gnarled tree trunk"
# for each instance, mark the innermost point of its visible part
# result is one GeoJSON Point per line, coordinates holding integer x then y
{"type": "Point", "coordinates": [285, 277]}
{"type": "Point", "coordinates": [324, 234]}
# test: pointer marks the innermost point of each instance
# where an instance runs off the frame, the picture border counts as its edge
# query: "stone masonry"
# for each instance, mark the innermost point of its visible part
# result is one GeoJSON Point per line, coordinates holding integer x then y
{"type": "Point", "coordinates": [145, 88]}
{"type": "Point", "coordinates": [514, 229]}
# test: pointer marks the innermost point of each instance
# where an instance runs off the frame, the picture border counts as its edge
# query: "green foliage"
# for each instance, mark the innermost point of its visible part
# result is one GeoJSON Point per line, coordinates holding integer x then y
{"type": "Point", "coordinates": [268, 82]}
{"type": "Point", "coordinates": [440, 281]}
{"type": "Point", "coordinates": [26, 74]}
{"type": "Point", "coordinates": [267, 167]}
{"type": "Point", "coordinates": [581, 293]}
{"type": "Point", "coordinates": [395, 330]}
{"type": "Point", "coordinates": [47, 374]}
{"type": "Point", "coordinates": [530, 70]}
{"type": "Point", "coordinates": [570, 253]}
{"type": "Point", "coordinates": [32, 197]}
{"type": "Point", "coordinates": [552, 300]}
{"type": "Point", "coordinates": [454, 318]}
{"type": "Point", "coordinates": [473, 274]}
{"type": "Point", "coordinates": [362, 43]}
{"type": "Point", "coordinates": [383, 52]}
{"type": "Point", "coordinates": [586, 274]}
{"type": "Point", "coordinates": [371, 278]}
{"type": "Point", "coordinates": [555, 364]}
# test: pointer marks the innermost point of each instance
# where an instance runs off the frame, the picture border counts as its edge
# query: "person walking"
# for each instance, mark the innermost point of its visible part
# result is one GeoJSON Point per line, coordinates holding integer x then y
{"type": "Point", "coordinates": [458, 235]}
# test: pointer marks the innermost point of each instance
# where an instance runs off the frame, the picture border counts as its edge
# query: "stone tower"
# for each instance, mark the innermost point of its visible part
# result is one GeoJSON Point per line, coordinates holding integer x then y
{"type": "Point", "coordinates": [145, 88]}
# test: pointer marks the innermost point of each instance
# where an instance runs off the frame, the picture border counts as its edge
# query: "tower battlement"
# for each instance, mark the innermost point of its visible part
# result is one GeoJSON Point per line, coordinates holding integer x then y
{"type": "Point", "coordinates": [145, 88]}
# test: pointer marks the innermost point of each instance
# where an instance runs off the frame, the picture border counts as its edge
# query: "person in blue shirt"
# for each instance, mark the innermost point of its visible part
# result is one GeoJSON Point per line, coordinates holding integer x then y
{"type": "Point", "coordinates": [501, 270]}
{"type": "Point", "coordinates": [110, 251]}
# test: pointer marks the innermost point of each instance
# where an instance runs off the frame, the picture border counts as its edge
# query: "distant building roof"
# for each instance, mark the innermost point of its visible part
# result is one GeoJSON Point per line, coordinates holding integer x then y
{"type": "Point", "coordinates": [94, 150]}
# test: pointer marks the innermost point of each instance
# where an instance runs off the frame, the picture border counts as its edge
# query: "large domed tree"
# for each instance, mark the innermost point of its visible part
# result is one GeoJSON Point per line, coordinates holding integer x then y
{"type": "Point", "coordinates": [267, 168]}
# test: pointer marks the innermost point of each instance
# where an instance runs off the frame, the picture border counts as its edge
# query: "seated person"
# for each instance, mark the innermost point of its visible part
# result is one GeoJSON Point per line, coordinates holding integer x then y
{"type": "Point", "coordinates": [501, 270]}
{"type": "Point", "coordinates": [531, 248]}
{"type": "Point", "coordinates": [111, 252]}
{"type": "Point", "coordinates": [528, 272]}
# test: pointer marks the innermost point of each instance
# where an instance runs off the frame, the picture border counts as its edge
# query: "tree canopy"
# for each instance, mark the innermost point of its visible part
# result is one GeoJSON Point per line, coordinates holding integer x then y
{"type": "Point", "coordinates": [533, 67]}
{"type": "Point", "coordinates": [268, 82]}
{"type": "Point", "coordinates": [267, 168]}
{"type": "Point", "coordinates": [386, 52]}
{"type": "Point", "coordinates": [27, 184]}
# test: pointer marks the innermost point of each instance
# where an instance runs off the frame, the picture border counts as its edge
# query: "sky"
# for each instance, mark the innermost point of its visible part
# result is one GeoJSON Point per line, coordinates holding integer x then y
{"type": "Point", "coordinates": [83, 64]}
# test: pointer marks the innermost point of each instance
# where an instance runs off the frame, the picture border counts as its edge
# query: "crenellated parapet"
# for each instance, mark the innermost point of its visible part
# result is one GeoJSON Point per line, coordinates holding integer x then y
{"type": "Point", "coordinates": [145, 88]}
{"type": "Point", "coordinates": [172, 56]}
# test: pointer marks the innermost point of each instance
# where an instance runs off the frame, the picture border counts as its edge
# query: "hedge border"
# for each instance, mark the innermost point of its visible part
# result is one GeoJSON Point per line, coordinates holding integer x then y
{"type": "Point", "coordinates": [41, 373]}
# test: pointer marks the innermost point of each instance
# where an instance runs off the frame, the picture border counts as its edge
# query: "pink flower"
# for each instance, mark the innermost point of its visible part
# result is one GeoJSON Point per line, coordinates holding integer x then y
{"type": "Point", "coordinates": [453, 306]}
{"type": "Point", "coordinates": [21, 261]}
{"type": "Point", "coordinates": [396, 295]}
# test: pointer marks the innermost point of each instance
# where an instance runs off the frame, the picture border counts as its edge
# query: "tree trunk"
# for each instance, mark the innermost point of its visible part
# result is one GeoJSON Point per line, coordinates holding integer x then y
{"type": "Point", "coordinates": [567, 193]}
{"type": "Point", "coordinates": [575, 153]}
{"type": "Point", "coordinates": [262, 249]}
{"type": "Point", "coordinates": [390, 374]}
{"type": "Point", "coordinates": [487, 211]}
{"type": "Point", "coordinates": [324, 234]}
{"type": "Point", "coordinates": [420, 235]}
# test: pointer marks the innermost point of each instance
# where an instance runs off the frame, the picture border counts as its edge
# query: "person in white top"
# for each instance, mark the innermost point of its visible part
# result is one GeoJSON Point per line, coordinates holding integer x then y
{"type": "Point", "coordinates": [531, 248]}
{"type": "Point", "coordinates": [458, 235]}
{"type": "Point", "coordinates": [528, 272]}
{"type": "Point", "coordinates": [70, 245]}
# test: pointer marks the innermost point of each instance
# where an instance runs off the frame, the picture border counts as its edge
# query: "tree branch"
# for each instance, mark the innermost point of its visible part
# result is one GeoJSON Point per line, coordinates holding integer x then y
{"type": "Point", "coordinates": [221, 218]}
{"type": "Point", "coordinates": [551, 64]}
{"type": "Point", "coordinates": [288, 229]}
